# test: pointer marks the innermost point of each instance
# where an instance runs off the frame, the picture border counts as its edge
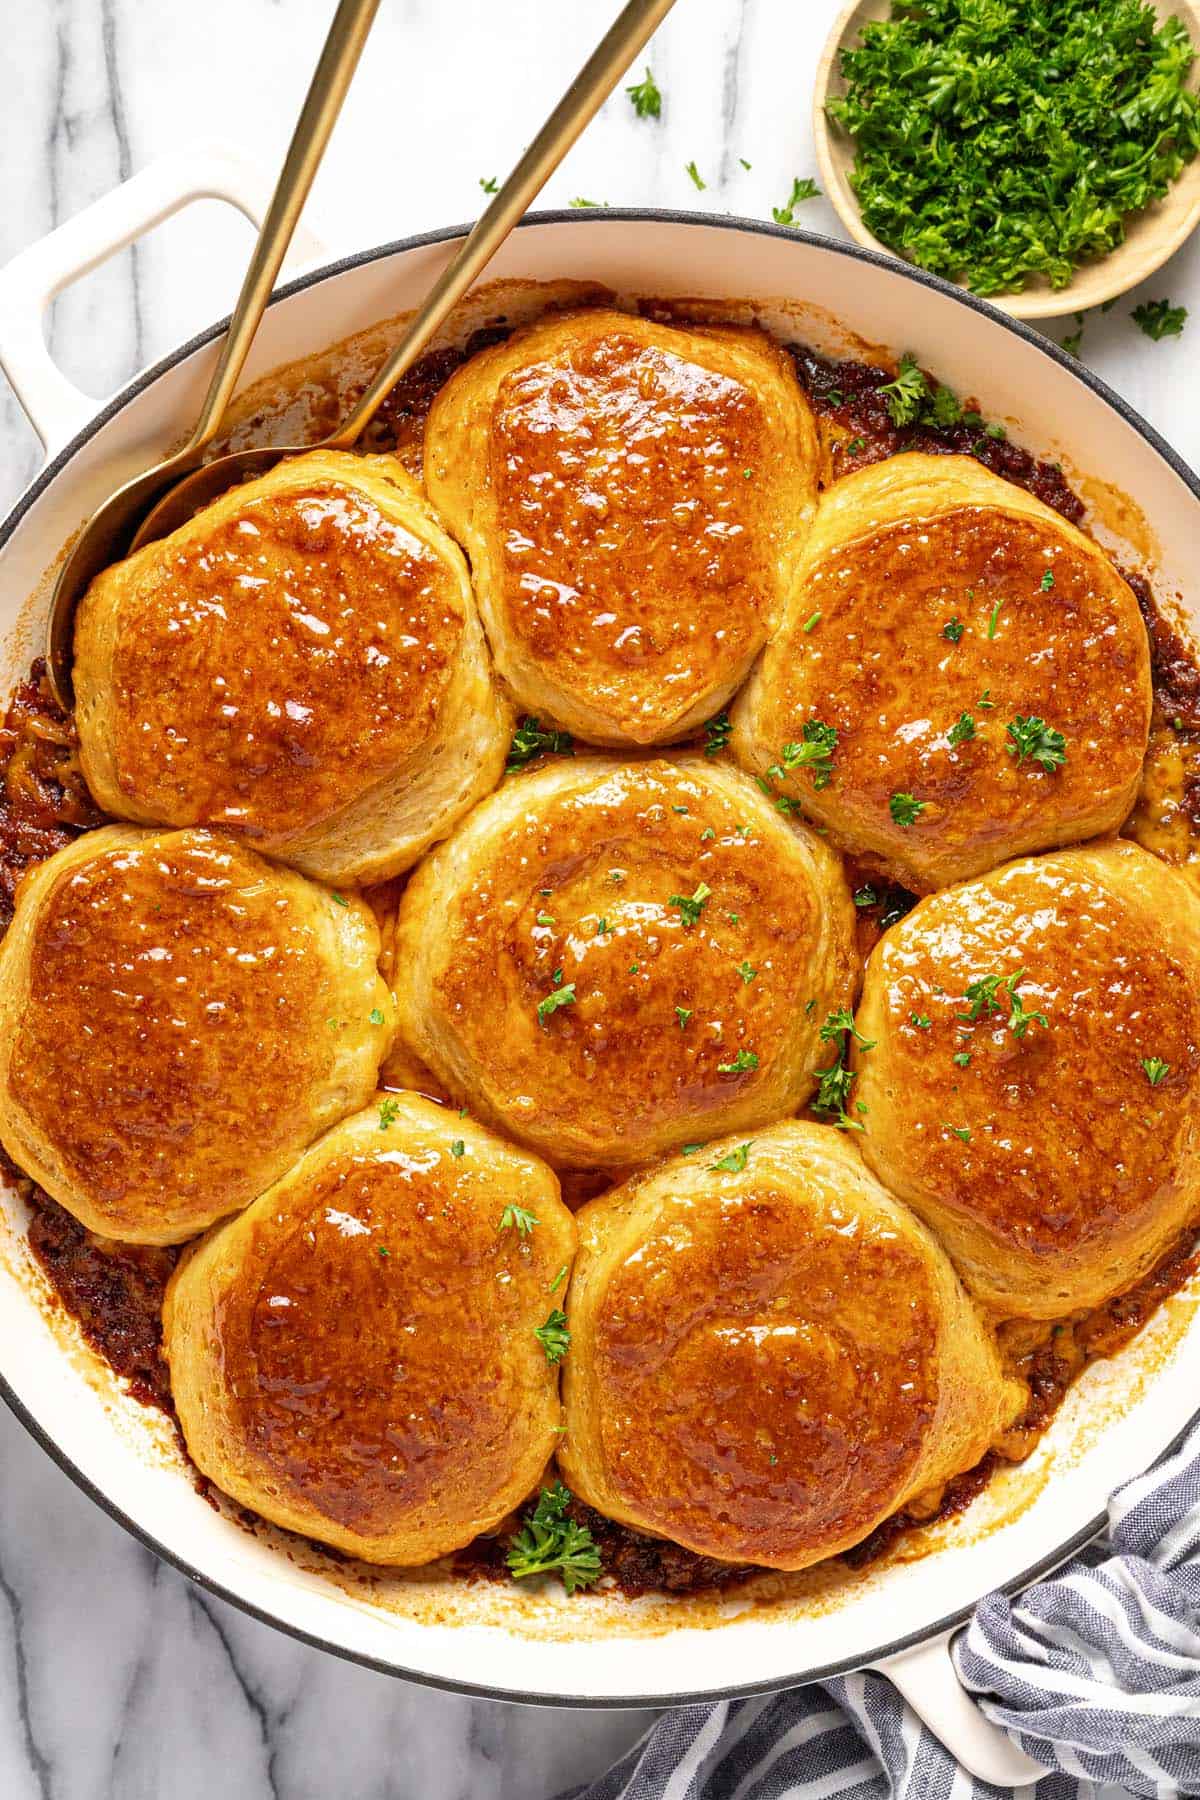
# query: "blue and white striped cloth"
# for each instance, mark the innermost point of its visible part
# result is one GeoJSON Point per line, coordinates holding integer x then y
{"type": "Point", "coordinates": [1096, 1674]}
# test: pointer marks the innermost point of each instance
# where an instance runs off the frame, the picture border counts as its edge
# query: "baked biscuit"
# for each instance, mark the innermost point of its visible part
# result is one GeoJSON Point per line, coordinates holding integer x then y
{"type": "Point", "coordinates": [301, 664]}
{"type": "Point", "coordinates": [608, 959]}
{"type": "Point", "coordinates": [1034, 1087]}
{"type": "Point", "coordinates": [356, 1357]}
{"type": "Point", "coordinates": [769, 1355]}
{"type": "Point", "coordinates": [178, 1019]}
{"type": "Point", "coordinates": [632, 497]}
{"type": "Point", "coordinates": [983, 666]}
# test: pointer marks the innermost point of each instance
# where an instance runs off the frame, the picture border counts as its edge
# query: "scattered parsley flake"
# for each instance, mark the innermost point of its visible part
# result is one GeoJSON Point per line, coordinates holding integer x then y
{"type": "Point", "coordinates": [908, 394]}
{"type": "Point", "coordinates": [551, 1541]}
{"type": "Point", "coordinates": [697, 179]}
{"type": "Point", "coordinates": [814, 751]}
{"type": "Point", "coordinates": [962, 731]}
{"type": "Point", "coordinates": [375, 1016]}
{"type": "Point", "coordinates": [558, 1279]}
{"type": "Point", "coordinates": [962, 1058]}
{"type": "Point", "coordinates": [562, 996]}
{"type": "Point", "coordinates": [645, 97]}
{"type": "Point", "coordinates": [544, 919]}
{"type": "Point", "coordinates": [855, 445]}
{"type": "Point", "coordinates": [994, 618]}
{"type": "Point", "coordinates": [953, 629]}
{"type": "Point", "coordinates": [1033, 739]}
{"type": "Point", "coordinates": [733, 1162]}
{"type": "Point", "coordinates": [716, 735]}
{"type": "Point", "coordinates": [920, 1020]}
{"type": "Point", "coordinates": [683, 1014]}
{"type": "Point", "coordinates": [812, 621]}
{"type": "Point", "coordinates": [1159, 319]}
{"type": "Point", "coordinates": [866, 896]}
{"type": "Point", "coordinates": [742, 1062]}
{"type": "Point", "coordinates": [516, 1218]}
{"type": "Point", "coordinates": [691, 907]}
{"type": "Point", "coordinates": [803, 188]}
{"type": "Point", "coordinates": [1047, 580]}
{"type": "Point", "coordinates": [841, 1023]}
{"type": "Point", "coordinates": [1155, 1070]}
{"type": "Point", "coordinates": [958, 1131]}
{"type": "Point", "coordinates": [531, 740]}
{"type": "Point", "coordinates": [579, 201]}
{"type": "Point", "coordinates": [747, 971]}
{"type": "Point", "coordinates": [339, 899]}
{"type": "Point", "coordinates": [490, 185]}
{"type": "Point", "coordinates": [554, 1336]}
{"type": "Point", "coordinates": [388, 1109]}
{"type": "Point", "coordinates": [905, 810]}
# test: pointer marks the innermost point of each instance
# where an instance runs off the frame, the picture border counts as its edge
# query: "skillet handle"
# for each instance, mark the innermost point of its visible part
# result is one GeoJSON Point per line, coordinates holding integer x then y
{"type": "Point", "coordinates": [56, 407]}
{"type": "Point", "coordinates": [926, 1677]}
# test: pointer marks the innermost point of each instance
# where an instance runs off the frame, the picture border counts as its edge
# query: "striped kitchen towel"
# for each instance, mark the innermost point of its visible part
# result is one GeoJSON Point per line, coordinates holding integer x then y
{"type": "Point", "coordinates": [1096, 1673]}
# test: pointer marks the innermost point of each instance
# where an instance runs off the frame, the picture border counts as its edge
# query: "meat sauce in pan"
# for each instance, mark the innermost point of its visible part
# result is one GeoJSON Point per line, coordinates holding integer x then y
{"type": "Point", "coordinates": [114, 1291]}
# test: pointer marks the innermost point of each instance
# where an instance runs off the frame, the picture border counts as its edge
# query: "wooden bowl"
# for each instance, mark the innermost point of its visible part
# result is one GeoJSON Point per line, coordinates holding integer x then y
{"type": "Point", "coordinates": [1151, 236]}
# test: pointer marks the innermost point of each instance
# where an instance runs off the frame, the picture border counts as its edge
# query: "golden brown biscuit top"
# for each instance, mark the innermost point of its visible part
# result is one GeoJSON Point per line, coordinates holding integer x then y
{"type": "Point", "coordinates": [765, 1371]}
{"type": "Point", "coordinates": [380, 1332]}
{"type": "Point", "coordinates": [273, 667]}
{"type": "Point", "coordinates": [1036, 628]}
{"type": "Point", "coordinates": [1055, 1124]}
{"type": "Point", "coordinates": [646, 942]}
{"type": "Point", "coordinates": [634, 491]}
{"type": "Point", "coordinates": [178, 1003]}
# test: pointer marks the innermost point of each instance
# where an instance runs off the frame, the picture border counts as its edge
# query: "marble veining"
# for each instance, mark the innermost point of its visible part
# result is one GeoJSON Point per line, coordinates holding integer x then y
{"type": "Point", "coordinates": [118, 1677]}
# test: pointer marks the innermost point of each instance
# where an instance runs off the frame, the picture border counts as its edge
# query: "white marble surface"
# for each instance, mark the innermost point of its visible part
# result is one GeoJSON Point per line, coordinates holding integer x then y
{"type": "Point", "coordinates": [116, 1677]}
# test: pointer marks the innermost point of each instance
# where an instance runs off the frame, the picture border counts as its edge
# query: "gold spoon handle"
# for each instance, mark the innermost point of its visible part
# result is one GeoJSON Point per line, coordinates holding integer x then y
{"type": "Point", "coordinates": [586, 94]}
{"type": "Point", "coordinates": [331, 78]}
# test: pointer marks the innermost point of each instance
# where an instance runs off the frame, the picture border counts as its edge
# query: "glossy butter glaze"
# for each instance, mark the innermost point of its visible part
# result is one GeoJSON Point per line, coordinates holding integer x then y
{"type": "Point", "coordinates": [768, 1360]}
{"type": "Point", "coordinates": [1050, 1164]}
{"type": "Point", "coordinates": [355, 1355]}
{"type": "Point", "coordinates": [180, 1019]}
{"type": "Point", "coordinates": [685, 1016]}
{"type": "Point", "coordinates": [632, 499]}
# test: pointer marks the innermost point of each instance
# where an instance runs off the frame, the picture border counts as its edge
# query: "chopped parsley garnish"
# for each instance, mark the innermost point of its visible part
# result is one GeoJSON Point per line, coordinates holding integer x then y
{"type": "Point", "coordinates": [579, 201]}
{"type": "Point", "coordinates": [339, 899]}
{"type": "Point", "coordinates": [1047, 580]}
{"type": "Point", "coordinates": [958, 1131]}
{"type": "Point", "coordinates": [833, 1087]}
{"type": "Point", "coordinates": [558, 1279]}
{"type": "Point", "coordinates": [953, 629]}
{"type": "Point", "coordinates": [814, 751]}
{"type": "Point", "coordinates": [982, 1001]}
{"type": "Point", "coordinates": [840, 1023]}
{"type": "Point", "coordinates": [747, 971]}
{"type": "Point", "coordinates": [962, 731]}
{"type": "Point", "coordinates": [732, 1163]}
{"type": "Point", "coordinates": [962, 1058]}
{"type": "Point", "coordinates": [742, 1062]}
{"type": "Point", "coordinates": [544, 919]}
{"type": "Point", "coordinates": [530, 740]}
{"type": "Point", "coordinates": [985, 701]}
{"type": "Point", "coordinates": [690, 907]}
{"type": "Point", "coordinates": [489, 185]}
{"type": "Point", "coordinates": [1155, 1069]}
{"type": "Point", "coordinates": [855, 445]}
{"type": "Point", "coordinates": [905, 810]}
{"type": "Point", "coordinates": [812, 621]}
{"type": "Point", "coordinates": [549, 1540]}
{"type": "Point", "coordinates": [553, 1336]}
{"type": "Point", "coordinates": [707, 834]}
{"type": "Point", "coordinates": [515, 1218]}
{"type": "Point", "coordinates": [458, 1147]}
{"type": "Point", "coordinates": [716, 735]}
{"type": "Point", "coordinates": [603, 928]}
{"type": "Point", "coordinates": [388, 1109]}
{"type": "Point", "coordinates": [683, 1014]}
{"type": "Point", "coordinates": [803, 189]}
{"type": "Point", "coordinates": [384, 1251]}
{"type": "Point", "coordinates": [920, 1020]}
{"type": "Point", "coordinates": [1037, 741]}
{"type": "Point", "coordinates": [1159, 319]}
{"type": "Point", "coordinates": [994, 618]}
{"type": "Point", "coordinates": [375, 1017]}
{"type": "Point", "coordinates": [562, 996]}
{"type": "Point", "coordinates": [907, 395]}
{"type": "Point", "coordinates": [866, 896]}
{"type": "Point", "coordinates": [1013, 140]}
{"type": "Point", "coordinates": [697, 178]}
{"type": "Point", "coordinates": [645, 97]}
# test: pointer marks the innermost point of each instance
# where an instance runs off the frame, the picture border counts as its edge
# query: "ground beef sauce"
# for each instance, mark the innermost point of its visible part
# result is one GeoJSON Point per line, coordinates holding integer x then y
{"type": "Point", "coordinates": [114, 1291]}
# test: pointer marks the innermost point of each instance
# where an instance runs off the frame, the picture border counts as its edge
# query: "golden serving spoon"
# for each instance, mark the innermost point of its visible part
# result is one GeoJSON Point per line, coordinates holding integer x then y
{"type": "Point", "coordinates": [115, 530]}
